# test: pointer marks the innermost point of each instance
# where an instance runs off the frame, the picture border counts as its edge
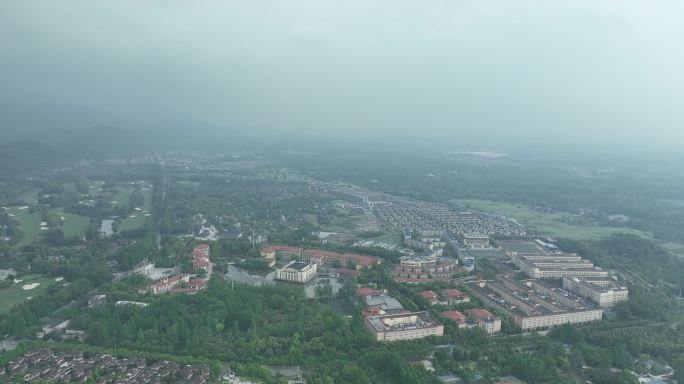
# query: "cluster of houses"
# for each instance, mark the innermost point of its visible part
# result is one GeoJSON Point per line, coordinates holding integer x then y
{"type": "Point", "coordinates": [200, 258]}
{"type": "Point", "coordinates": [46, 365]}
{"type": "Point", "coordinates": [378, 304]}
{"type": "Point", "coordinates": [175, 284]}
{"type": "Point", "coordinates": [474, 318]}
{"type": "Point", "coordinates": [181, 283]}
{"type": "Point", "coordinates": [448, 297]}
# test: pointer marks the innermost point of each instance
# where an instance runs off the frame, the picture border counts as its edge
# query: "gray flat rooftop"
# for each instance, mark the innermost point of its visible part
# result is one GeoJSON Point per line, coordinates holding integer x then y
{"type": "Point", "coordinates": [423, 320]}
{"type": "Point", "coordinates": [298, 265]}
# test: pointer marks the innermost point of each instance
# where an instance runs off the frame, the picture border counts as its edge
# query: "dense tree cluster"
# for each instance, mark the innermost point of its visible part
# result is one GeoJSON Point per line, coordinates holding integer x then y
{"type": "Point", "coordinates": [244, 324]}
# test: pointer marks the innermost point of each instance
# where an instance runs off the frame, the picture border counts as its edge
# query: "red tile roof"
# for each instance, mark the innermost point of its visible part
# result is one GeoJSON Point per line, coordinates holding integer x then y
{"type": "Point", "coordinates": [283, 248]}
{"type": "Point", "coordinates": [362, 260]}
{"type": "Point", "coordinates": [480, 313]}
{"type": "Point", "coordinates": [347, 272]}
{"type": "Point", "coordinates": [197, 283]}
{"type": "Point", "coordinates": [200, 263]}
{"type": "Point", "coordinates": [429, 295]}
{"type": "Point", "coordinates": [455, 316]}
{"type": "Point", "coordinates": [452, 293]}
{"type": "Point", "coordinates": [363, 291]}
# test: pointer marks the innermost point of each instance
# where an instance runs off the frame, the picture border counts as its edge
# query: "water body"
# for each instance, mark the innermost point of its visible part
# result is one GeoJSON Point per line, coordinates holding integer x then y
{"type": "Point", "coordinates": [106, 227]}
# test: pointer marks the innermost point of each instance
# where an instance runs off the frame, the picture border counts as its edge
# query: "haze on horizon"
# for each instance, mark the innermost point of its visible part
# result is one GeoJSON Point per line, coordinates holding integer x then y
{"type": "Point", "coordinates": [580, 71]}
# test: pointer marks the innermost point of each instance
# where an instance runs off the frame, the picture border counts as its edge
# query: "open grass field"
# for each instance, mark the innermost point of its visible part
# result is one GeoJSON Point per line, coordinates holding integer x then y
{"type": "Point", "coordinates": [344, 221]}
{"type": "Point", "coordinates": [132, 222]}
{"type": "Point", "coordinates": [554, 224]}
{"type": "Point", "coordinates": [138, 221]}
{"type": "Point", "coordinates": [9, 297]}
{"type": "Point", "coordinates": [30, 224]}
{"type": "Point", "coordinates": [72, 225]}
{"type": "Point", "coordinates": [389, 238]}
{"type": "Point", "coordinates": [30, 196]}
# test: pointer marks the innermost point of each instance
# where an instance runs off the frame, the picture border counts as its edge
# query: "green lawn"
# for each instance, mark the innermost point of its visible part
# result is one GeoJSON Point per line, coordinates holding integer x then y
{"type": "Point", "coordinates": [343, 221]}
{"type": "Point", "coordinates": [132, 222]}
{"type": "Point", "coordinates": [73, 225]}
{"type": "Point", "coordinates": [9, 297]}
{"type": "Point", "coordinates": [389, 238]}
{"type": "Point", "coordinates": [30, 196]}
{"type": "Point", "coordinates": [140, 218]}
{"type": "Point", "coordinates": [30, 224]}
{"type": "Point", "coordinates": [122, 196]}
{"type": "Point", "coordinates": [146, 190]}
{"type": "Point", "coordinates": [554, 224]}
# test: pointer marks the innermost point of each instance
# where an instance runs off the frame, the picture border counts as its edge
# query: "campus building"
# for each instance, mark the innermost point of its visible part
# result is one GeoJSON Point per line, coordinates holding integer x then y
{"type": "Point", "coordinates": [534, 304]}
{"type": "Point", "coordinates": [404, 326]}
{"type": "Point", "coordinates": [475, 240]}
{"type": "Point", "coordinates": [317, 256]}
{"type": "Point", "coordinates": [604, 291]}
{"type": "Point", "coordinates": [556, 266]}
{"type": "Point", "coordinates": [297, 272]}
{"type": "Point", "coordinates": [166, 284]}
{"type": "Point", "coordinates": [423, 269]}
{"type": "Point", "coordinates": [467, 261]}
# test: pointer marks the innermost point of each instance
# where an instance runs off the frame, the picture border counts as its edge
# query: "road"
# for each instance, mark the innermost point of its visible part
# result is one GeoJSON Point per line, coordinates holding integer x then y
{"type": "Point", "coordinates": [162, 209]}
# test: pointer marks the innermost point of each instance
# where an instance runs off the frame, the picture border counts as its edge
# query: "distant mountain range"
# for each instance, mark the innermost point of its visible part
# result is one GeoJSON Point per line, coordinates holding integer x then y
{"type": "Point", "coordinates": [34, 137]}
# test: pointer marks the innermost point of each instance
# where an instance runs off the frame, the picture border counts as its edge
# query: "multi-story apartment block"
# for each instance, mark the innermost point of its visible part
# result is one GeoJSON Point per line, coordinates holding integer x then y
{"type": "Point", "coordinates": [558, 266]}
{"type": "Point", "coordinates": [533, 304]}
{"type": "Point", "coordinates": [297, 272]}
{"type": "Point", "coordinates": [604, 291]}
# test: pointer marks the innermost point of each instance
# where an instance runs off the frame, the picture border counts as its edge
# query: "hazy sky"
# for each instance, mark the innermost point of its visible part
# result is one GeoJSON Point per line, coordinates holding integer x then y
{"type": "Point", "coordinates": [554, 70]}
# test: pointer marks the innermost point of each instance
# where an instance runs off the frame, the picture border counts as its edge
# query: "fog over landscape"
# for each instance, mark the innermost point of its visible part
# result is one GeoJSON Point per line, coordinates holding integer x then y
{"type": "Point", "coordinates": [602, 74]}
{"type": "Point", "coordinates": [342, 191]}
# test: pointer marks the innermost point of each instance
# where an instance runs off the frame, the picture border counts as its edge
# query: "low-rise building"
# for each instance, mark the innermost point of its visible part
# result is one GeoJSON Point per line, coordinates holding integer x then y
{"type": "Point", "coordinates": [604, 291]}
{"type": "Point", "coordinates": [475, 240]}
{"type": "Point", "coordinates": [381, 305]}
{"type": "Point", "coordinates": [457, 317]}
{"type": "Point", "coordinates": [166, 284]}
{"type": "Point", "coordinates": [481, 318]}
{"type": "Point", "coordinates": [454, 296]}
{"type": "Point", "coordinates": [297, 272]}
{"type": "Point", "coordinates": [430, 296]}
{"type": "Point", "coordinates": [201, 261]}
{"type": "Point", "coordinates": [423, 269]}
{"type": "Point", "coordinates": [96, 300]}
{"type": "Point", "coordinates": [485, 319]}
{"type": "Point", "coordinates": [404, 326]}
